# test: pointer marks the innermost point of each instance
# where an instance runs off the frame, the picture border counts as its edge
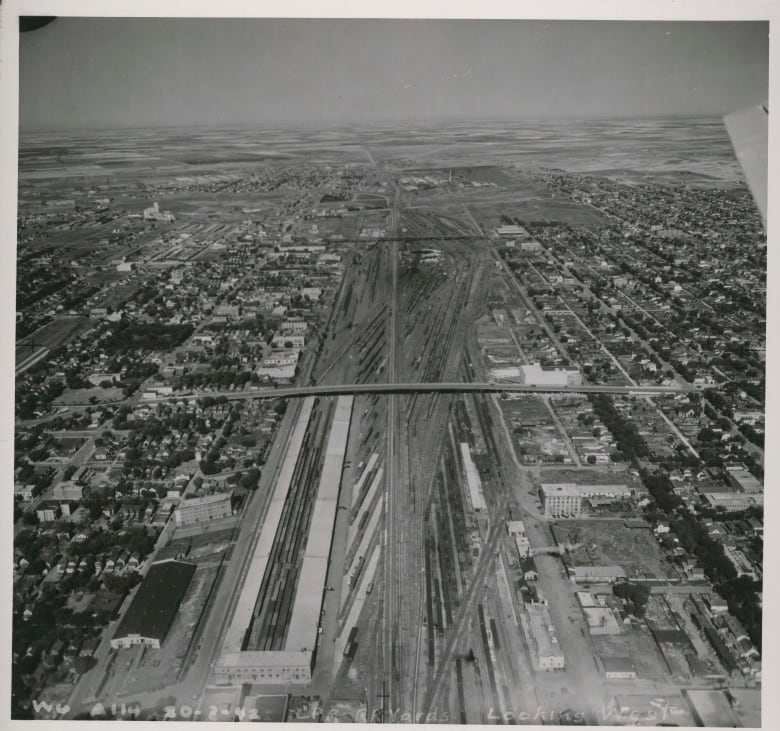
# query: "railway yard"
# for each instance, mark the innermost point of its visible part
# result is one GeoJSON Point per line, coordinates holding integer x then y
{"type": "Point", "coordinates": [428, 556]}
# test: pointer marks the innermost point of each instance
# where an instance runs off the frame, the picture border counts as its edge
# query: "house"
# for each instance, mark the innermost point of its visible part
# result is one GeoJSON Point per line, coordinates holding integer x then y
{"type": "Point", "coordinates": [716, 604]}
{"type": "Point", "coordinates": [22, 563]}
{"type": "Point", "coordinates": [71, 651]}
{"type": "Point", "coordinates": [89, 647]}
{"type": "Point", "coordinates": [121, 560]}
{"type": "Point", "coordinates": [23, 492]}
{"type": "Point", "coordinates": [696, 573]}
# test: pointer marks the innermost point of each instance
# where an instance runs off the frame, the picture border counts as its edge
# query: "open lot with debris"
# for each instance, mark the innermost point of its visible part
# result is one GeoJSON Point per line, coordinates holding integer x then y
{"type": "Point", "coordinates": [612, 543]}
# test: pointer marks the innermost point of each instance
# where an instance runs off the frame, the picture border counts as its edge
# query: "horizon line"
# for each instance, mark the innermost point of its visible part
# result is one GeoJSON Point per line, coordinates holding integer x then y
{"type": "Point", "coordinates": [334, 125]}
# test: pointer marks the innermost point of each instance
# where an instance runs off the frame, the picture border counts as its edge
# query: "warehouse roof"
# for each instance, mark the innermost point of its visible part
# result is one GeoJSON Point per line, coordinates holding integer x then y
{"type": "Point", "coordinates": [618, 665]}
{"type": "Point", "coordinates": [154, 606]}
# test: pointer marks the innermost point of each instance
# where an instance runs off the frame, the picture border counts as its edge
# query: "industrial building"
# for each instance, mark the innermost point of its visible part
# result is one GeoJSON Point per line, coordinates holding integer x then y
{"type": "Point", "coordinates": [511, 230]}
{"type": "Point", "coordinates": [235, 665]}
{"type": "Point", "coordinates": [742, 480]}
{"type": "Point", "coordinates": [561, 501]}
{"type": "Point", "coordinates": [292, 663]}
{"type": "Point", "coordinates": [295, 325]}
{"type": "Point", "coordinates": [264, 666]}
{"type": "Point", "coordinates": [155, 214]}
{"type": "Point", "coordinates": [505, 372]}
{"type": "Point", "coordinates": [288, 340]}
{"type": "Point", "coordinates": [195, 511]}
{"type": "Point", "coordinates": [618, 668]}
{"type": "Point", "coordinates": [547, 652]}
{"type": "Point", "coordinates": [564, 499]}
{"type": "Point", "coordinates": [733, 501]}
{"type": "Point", "coordinates": [711, 708]}
{"type": "Point", "coordinates": [472, 480]}
{"type": "Point", "coordinates": [516, 529]}
{"type": "Point", "coordinates": [597, 574]}
{"type": "Point", "coordinates": [150, 615]}
{"type": "Point", "coordinates": [536, 375]}
{"type": "Point", "coordinates": [605, 492]}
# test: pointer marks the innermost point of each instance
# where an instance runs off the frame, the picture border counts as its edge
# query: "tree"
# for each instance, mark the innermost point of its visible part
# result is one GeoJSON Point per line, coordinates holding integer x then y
{"type": "Point", "coordinates": [636, 595]}
{"type": "Point", "coordinates": [208, 468]}
{"type": "Point", "coordinates": [250, 479]}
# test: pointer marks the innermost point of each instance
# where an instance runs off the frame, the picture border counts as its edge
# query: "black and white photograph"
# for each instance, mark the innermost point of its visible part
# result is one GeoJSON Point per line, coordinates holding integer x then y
{"type": "Point", "coordinates": [386, 369]}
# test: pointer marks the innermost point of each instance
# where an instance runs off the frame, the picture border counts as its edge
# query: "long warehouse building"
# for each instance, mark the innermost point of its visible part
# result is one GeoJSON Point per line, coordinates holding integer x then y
{"type": "Point", "coordinates": [472, 479]}
{"type": "Point", "coordinates": [242, 617]}
{"type": "Point", "coordinates": [293, 664]}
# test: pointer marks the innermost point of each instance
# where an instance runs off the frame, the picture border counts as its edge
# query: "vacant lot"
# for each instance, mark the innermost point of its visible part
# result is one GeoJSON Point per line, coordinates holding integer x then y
{"type": "Point", "coordinates": [86, 395]}
{"type": "Point", "coordinates": [608, 543]}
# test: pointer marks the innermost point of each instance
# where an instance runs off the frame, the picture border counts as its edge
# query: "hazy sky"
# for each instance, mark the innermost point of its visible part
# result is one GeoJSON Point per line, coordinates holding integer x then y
{"type": "Point", "coordinates": [94, 73]}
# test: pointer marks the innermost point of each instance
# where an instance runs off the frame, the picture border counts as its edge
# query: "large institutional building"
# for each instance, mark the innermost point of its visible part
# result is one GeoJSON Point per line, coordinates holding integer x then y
{"type": "Point", "coordinates": [561, 501]}
{"type": "Point", "coordinates": [195, 511]}
{"type": "Point", "coordinates": [564, 499]}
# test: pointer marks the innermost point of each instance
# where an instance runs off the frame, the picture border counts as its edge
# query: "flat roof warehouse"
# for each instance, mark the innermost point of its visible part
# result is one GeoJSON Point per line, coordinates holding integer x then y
{"type": "Point", "coordinates": [153, 609]}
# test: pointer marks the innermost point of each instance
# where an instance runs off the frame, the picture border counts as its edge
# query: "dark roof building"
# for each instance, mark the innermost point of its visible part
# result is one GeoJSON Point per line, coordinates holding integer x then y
{"type": "Point", "coordinates": [619, 667]}
{"type": "Point", "coordinates": [153, 609]}
{"type": "Point", "coordinates": [672, 636]}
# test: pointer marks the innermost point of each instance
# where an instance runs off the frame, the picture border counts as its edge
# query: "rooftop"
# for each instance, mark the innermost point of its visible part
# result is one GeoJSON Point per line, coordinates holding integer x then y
{"type": "Point", "coordinates": [618, 665]}
{"type": "Point", "coordinates": [565, 489]}
{"type": "Point", "coordinates": [217, 497]}
{"type": "Point", "coordinates": [154, 607]}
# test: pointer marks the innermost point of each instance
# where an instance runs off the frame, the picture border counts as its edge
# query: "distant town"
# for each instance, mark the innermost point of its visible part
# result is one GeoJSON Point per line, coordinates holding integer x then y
{"type": "Point", "coordinates": [361, 426]}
